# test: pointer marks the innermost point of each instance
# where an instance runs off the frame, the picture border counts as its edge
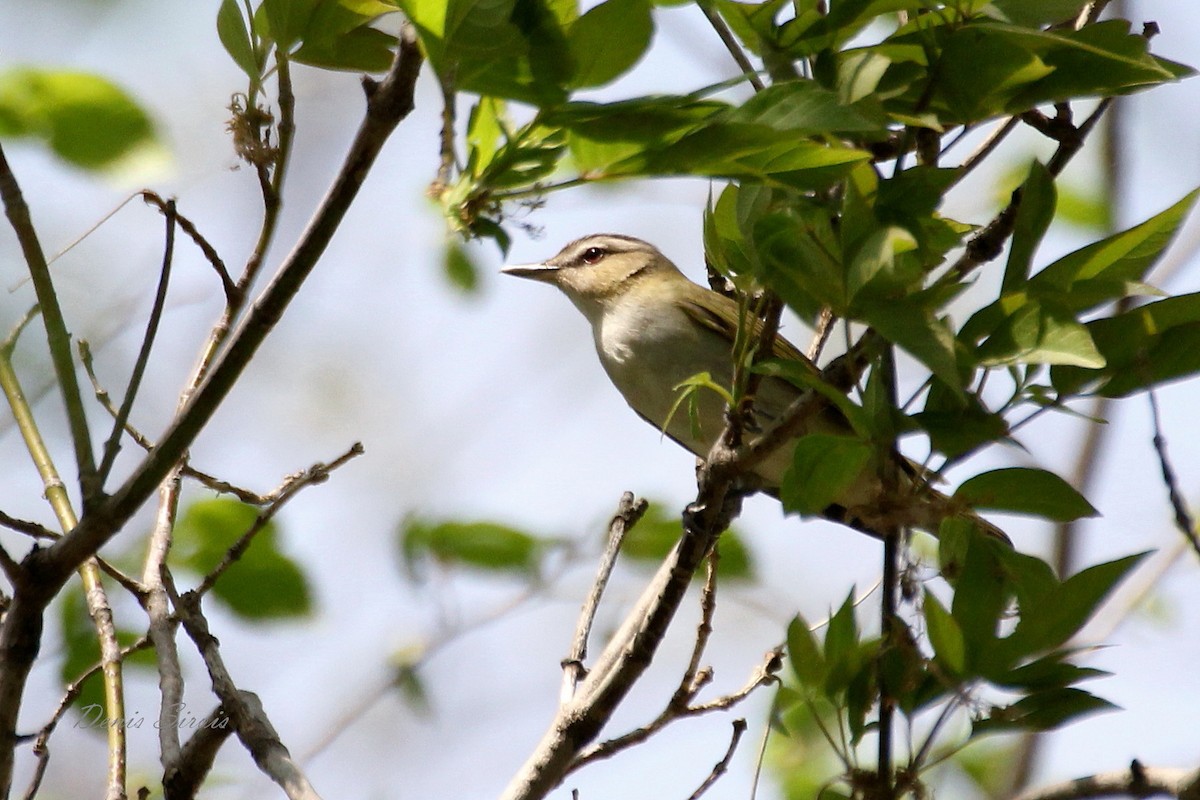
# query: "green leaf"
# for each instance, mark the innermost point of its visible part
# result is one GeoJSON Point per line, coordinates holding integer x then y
{"type": "Point", "coordinates": [955, 430]}
{"type": "Point", "coordinates": [1040, 333]}
{"type": "Point", "coordinates": [657, 533]}
{"type": "Point", "coordinates": [1048, 624]}
{"type": "Point", "coordinates": [235, 37]}
{"type": "Point", "coordinates": [1025, 490]}
{"type": "Point", "coordinates": [503, 48]}
{"type": "Point", "coordinates": [337, 35]}
{"type": "Point", "coordinates": [823, 467]}
{"type": "Point", "coordinates": [263, 583]}
{"type": "Point", "coordinates": [981, 592]}
{"type": "Point", "coordinates": [1035, 13]}
{"type": "Point", "coordinates": [808, 664]}
{"type": "Point", "coordinates": [288, 20]}
{"type": "Point", "coordinates": [877, 257]}
{"type": "Point", "coordinates": [1153, 344]}
{"type": "Point", "coordinates": [1103, 270]}
{"type": "Point", "coordinates": [86, 120]}
{"type": "Point", "coordinates": [459, 269]}
{"type": "Point", "coordinates": [804, 108]}
{"type": "Point", "coordinates": [608, 40]}
{"type": "Point", "coordinates": [485, 546]}
{"type": "Point", "coordinates": [910, 324]}
{"type": "Point", "coordinates": [1034, 216]}
{"type": "Point", "coordinates": [944, 634]}
{"type": "Point", "coordinates": [1048, 672]}
{"type": "Point", "coordinates": [1042, 711]}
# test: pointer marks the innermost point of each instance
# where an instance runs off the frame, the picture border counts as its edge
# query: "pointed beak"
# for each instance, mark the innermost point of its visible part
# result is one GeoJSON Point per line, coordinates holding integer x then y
{"type": "Point", "coordinates": [538, 272]}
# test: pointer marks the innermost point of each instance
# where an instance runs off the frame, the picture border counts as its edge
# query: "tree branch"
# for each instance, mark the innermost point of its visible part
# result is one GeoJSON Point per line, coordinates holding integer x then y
{"type": "Point", "coordinates": [1137, 781]}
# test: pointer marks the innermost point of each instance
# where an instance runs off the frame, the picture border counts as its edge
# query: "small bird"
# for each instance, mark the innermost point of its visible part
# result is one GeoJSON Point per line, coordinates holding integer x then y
{"type": "Point", "coordinates": [654, 329]}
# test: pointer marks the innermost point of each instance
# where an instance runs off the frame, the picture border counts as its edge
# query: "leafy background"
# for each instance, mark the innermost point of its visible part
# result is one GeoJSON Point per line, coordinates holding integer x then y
{"type": "Point", "coordinates": [489, 405]}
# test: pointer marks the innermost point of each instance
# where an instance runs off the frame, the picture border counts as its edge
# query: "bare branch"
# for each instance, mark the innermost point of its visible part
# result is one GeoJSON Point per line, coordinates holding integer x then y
{"type": "Point", "coordinates": [722, 766]}
{"type": "Point", "coordinates": [629, 511]}
{"type": "Point", "coordinates": [1137, 781]}
{"type": "Point", "coordinates": [245, 710]}
{"type": "Point", "coordinates": [731, 44]}
{"type": "Point", "coordinates": [317, 473]}
{"type": "Point", "coordinates": [183, 779]}
{"type": "Point", "coordinates": [189, 227]}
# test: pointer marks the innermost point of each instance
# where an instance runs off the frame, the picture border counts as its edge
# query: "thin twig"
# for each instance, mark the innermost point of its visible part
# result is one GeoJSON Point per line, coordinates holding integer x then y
{"type": "Point", "coordinates": [763, 674]}
{"type": "Point", "coordinates": [1183, 518]}
{"type": "Point", "coordinates": [629, 511]}
{"type": "Point", "coordinates": [41, 744]}
{"type": "Point", "coordinates": [187, 226]}
{"type": "Point", "coordinates": [722, 766]}
{"type": "Point", "coordinates": [113, 445]}
{"type": "Point", "coordinates": [731, 44]}
{"type": "Point", "coordinates": [317, 473]}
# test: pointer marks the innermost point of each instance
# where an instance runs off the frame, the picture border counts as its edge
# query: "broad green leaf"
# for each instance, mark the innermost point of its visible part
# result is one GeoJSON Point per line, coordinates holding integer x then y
{"type": "Point", "coordinates": [981, 591]}
{"type": "Point", "coordinates": [1040, 333]}
{"type": "Point", "coordinates": [657, 532]}
{"type": "Point", "coordinates": [608, 40]}
{"type": "Point", "coordinates": [982, 70]}
{"type": "Point", "coordinates": [1035, 13]}
{"type": "Point", "coordinates": [910, 324]}
{"type": "Point", "coordinates": [877, 256]}
{"type": "Point", "coordinates": [1042, 711]}
{"type": "Point", "coordinates": [486, 546]}
{"type": "Point", "coordinates": [85, 119]}
{"type": "Point", "coordinates": [235, 37]}
{"type": "Point", "coordinates": [504, 48]}
{"type": "Point", "coordinates": [804, 108]}
{"type": "Point", "coordinates": [262, 583]}
{"type": "Point", "coordinates": [1103, 270]}
{"type": "Point", "coordinates": [1025, 490]}
{"type": "Point", "coordinates": [808, 663]}
{"type": "Point", "coordinates": [955, 431]}
{"type": "Point", "coordinates": [1152, 344]}
{"type": "Point", "coordinates": [823, 467]}
{"type": "Point", "coordinates": [944, 635]}
{"type": "Point", "coordinates": [1033, 219]}
{"type": "Point", "coordinates": [485, 130]}
{"type": "Point", "coordinates": [810, 33]}
{"type": "Point", "coordinates": [288, 20]}
{"type": "Point", "coordinates": [801, 259]}
{"type": "Point", "coordinates": [1048, 624]}
{"type": "Point", "coordinates": [338, 36]}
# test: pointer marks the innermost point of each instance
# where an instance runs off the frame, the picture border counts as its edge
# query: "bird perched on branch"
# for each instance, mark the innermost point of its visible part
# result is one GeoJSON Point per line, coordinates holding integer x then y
{"type": "Point", "coordinates": [654, 330]}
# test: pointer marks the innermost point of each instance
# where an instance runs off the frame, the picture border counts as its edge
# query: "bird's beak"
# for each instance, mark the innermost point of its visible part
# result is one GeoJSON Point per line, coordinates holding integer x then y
{"type": "Point", "coordinates": [538, 272]}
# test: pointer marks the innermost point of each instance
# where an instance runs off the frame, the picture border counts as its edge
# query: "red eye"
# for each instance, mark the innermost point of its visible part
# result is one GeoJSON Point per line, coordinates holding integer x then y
{"type": "Point", "coordinates": [592, 255]}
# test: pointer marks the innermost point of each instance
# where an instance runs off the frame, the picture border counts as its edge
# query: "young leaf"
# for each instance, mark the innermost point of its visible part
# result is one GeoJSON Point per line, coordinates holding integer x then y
{"type": "Point", "coordinates": [910, 324]}
{"type": "Point", "coordinates": [1042, 711]}
{"type": "Point", "coordinates": [1040, 333]}
{"type": "Point", "coordinates": [1024, 490]}
{"type": "Point", "coordinates": [235, 37]}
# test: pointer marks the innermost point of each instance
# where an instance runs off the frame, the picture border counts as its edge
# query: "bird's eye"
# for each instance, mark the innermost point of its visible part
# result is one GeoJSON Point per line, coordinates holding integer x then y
{"type": "Point", "coordinates": [592, 255]}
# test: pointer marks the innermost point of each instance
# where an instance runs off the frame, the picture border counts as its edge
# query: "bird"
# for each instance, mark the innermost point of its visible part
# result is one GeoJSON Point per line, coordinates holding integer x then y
{"type": "Point", "coordinates": [654, 329]}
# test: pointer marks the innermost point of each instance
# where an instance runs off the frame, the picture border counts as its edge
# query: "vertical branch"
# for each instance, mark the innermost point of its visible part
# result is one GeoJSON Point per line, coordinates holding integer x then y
{"type": "Point", "coordinates": [57, 335]}
{"type": "Point", "coordinates": [113, 445]}
{"type": "Point", "coordinates": [89, 572]}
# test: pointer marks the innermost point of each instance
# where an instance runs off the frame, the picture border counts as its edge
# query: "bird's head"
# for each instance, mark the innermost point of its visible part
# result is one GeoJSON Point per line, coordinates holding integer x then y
{"type": "Point", "coordinates": [600, 268]}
